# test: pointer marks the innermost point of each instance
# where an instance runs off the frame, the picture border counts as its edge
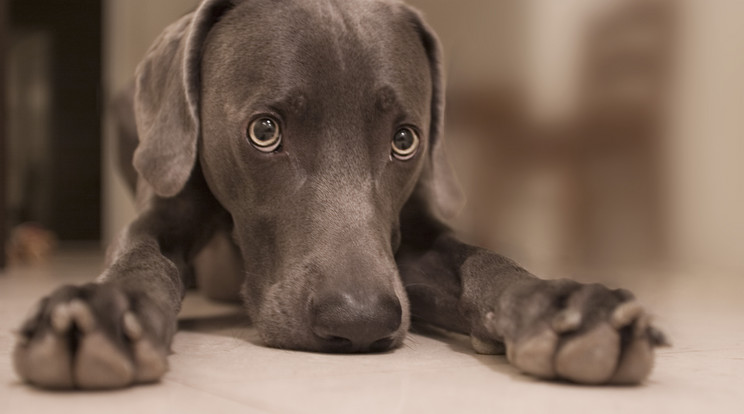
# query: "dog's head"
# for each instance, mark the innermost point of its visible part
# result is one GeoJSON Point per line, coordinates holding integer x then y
{"type": "Point", "coordinates": [314, 123]}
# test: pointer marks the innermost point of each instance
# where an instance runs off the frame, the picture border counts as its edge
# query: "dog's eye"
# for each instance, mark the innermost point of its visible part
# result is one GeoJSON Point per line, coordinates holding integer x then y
{"type": "Point", "coordinates": [265, 134]}
{"type": "Point", "coordinates": [405, 143]}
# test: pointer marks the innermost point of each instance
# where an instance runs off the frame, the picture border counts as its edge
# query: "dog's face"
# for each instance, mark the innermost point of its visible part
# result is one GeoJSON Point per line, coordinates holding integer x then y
{"type": "Point", "coordinates": [315, 122]}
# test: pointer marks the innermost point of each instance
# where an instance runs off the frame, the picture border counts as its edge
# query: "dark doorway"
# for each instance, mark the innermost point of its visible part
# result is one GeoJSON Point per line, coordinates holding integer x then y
{"type": "Point", "coordinates": [53, 128]}
{"type": "Point", "coordinates": [3, 163]}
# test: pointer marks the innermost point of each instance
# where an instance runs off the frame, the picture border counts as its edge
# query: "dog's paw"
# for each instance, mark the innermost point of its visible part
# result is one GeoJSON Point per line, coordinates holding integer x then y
{"type": "Point", "coordinates": [89, 337]}
{"type": "Point", "coordinates": [586, 334]}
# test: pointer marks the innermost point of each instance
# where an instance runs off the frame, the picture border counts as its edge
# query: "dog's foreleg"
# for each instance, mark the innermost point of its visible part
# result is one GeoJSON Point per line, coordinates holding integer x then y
{"type": "Point", "coordinates": [553, 329]}
{"type": "Point", "coordinates": [117, 331]}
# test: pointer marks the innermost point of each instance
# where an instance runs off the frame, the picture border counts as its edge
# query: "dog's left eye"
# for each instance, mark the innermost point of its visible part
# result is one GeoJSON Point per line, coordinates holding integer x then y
{"type": "Point", "coordinates": [265, 134]}
{"type": "Point", "coordinates": [405, 143]}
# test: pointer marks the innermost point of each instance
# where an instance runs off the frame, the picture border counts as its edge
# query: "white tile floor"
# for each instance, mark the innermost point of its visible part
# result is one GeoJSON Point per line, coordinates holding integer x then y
{"type": "Point", "coordinates": [219, 367]}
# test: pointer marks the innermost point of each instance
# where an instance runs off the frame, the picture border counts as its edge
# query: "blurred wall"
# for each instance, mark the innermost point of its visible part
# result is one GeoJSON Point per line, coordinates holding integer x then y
{"type": "Point", "coordinates": [548, 181]}
{"type": "Point", "coordinates": [706, 146]}
{"type": "Point", "coordinates": [703, 145]}
{"type": "Point", "coordinates": [130, 26]}
{"type": "Point", "coordinates": [484, 41]}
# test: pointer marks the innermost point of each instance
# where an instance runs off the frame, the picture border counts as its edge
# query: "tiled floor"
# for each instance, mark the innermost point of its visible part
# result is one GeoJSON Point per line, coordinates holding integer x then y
{"type": "Point", "coordinates": [218, 366]}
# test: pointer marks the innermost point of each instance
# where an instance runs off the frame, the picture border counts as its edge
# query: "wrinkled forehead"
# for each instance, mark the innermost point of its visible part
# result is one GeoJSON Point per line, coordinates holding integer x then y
{"type": "Point", "coordinates": [319, 47]}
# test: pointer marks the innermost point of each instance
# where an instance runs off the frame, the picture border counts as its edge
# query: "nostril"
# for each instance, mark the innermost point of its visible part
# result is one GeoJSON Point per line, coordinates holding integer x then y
{"type": "Point", "coordinates": [339, 341]}
{"type": "Point", "coordinates": [382, 345]}
{"type": "Point", "coordinates": [355, 322]}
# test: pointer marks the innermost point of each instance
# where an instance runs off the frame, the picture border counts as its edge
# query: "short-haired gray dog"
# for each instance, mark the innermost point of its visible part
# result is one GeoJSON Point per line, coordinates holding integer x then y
{"type": "Point", "coordinates": [305, 136]}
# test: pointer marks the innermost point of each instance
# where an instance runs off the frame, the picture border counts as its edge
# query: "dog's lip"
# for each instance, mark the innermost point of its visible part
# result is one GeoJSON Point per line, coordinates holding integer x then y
{"type": "Point", "coordinates": [338, 345]}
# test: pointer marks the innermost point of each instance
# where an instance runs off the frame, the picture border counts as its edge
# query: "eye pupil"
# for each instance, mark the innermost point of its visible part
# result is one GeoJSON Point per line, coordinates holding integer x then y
{"type": "Point", "coordinates": [264, 133]}
{"type": "Point", "coordinates": [403, 139]}
{"type": "Point", "coordinates": [264, 130]}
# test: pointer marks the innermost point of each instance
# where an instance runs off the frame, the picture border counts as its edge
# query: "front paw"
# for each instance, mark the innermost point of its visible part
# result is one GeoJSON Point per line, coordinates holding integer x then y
{"type": "Point", "coordinates": [586, 334]}
{"type": "Point", "coordinates": [90, 337]}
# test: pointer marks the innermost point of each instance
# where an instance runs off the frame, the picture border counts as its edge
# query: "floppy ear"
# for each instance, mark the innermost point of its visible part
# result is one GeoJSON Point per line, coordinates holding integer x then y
{"type": "Point", "coordinates": [437, 188]}
{"type": "Point", "coordinates": [166, 100]}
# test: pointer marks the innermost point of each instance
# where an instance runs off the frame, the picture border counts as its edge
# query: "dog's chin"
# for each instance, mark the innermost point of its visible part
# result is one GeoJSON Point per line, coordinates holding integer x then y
{"type": "Point", "coordinates": [309, 342]}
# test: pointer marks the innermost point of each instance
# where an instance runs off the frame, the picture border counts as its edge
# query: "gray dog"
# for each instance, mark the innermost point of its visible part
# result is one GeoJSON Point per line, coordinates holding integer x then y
{"type": "Point", "coordinates": [297, 145]}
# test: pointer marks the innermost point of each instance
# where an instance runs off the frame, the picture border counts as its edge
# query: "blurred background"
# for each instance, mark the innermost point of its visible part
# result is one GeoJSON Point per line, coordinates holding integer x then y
{"type": "Point", "coordinates": [587, 134]}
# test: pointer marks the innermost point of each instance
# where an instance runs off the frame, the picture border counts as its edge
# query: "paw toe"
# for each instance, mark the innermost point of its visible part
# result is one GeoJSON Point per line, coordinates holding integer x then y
{"type": "Point", "coordinates": [589, 358]}
{"type": "Point", "coordinates": [60, 318]}
{"type": "Point", "coordinates": [625, 314]}
{"type": "Point", "coordinates": [566, 321]}
{"type": "Point", "coordinates": [657, 337]}
{"type": "Point", "coordinates": [82, 315]}
{"type": "Point", "coordinates": [535, 354]}
{"type": "Point", "coordinates": [635, 363]}
{"type": "Point", "coordinates": [151, 363]}
{"type": "Point", "coordinates": [485, 347]}
{"type": "Point", "coordinates": [100, 364]}
{"type": "Point", "coordinates": [132, 326]}
{"type": "Point", "coordinates": [44, 362]}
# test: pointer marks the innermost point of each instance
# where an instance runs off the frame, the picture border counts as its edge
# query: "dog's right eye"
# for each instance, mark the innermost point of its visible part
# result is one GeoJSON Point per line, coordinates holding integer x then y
{"type": "Point", "coordinates": [265, 134]}
{"type": "Point", "coordinates": [405, 143]}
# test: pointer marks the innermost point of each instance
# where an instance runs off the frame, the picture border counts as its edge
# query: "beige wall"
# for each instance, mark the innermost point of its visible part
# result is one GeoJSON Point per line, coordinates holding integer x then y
{"type": "Point", "coordinates": [130, 27]}
{"type": "Point", "coordinates": [706, 147]}
{"type": "Point", "coordinates": [485, 37]}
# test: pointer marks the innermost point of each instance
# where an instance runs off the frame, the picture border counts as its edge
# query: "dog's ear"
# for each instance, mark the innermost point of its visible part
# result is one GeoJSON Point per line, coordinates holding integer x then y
{"type": "Point", "coordinates": [437, 189]}
{"type": "Point", "coordinates": [167, 100]}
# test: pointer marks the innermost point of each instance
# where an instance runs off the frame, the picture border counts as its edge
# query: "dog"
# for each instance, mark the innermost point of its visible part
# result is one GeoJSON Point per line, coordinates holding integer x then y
{"type": "Point", "coordinates": [291, 152]}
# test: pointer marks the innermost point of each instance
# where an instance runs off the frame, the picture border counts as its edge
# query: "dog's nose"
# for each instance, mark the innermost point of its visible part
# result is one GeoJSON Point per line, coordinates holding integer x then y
{"type": "Point", "coordinates": [355, 322]}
